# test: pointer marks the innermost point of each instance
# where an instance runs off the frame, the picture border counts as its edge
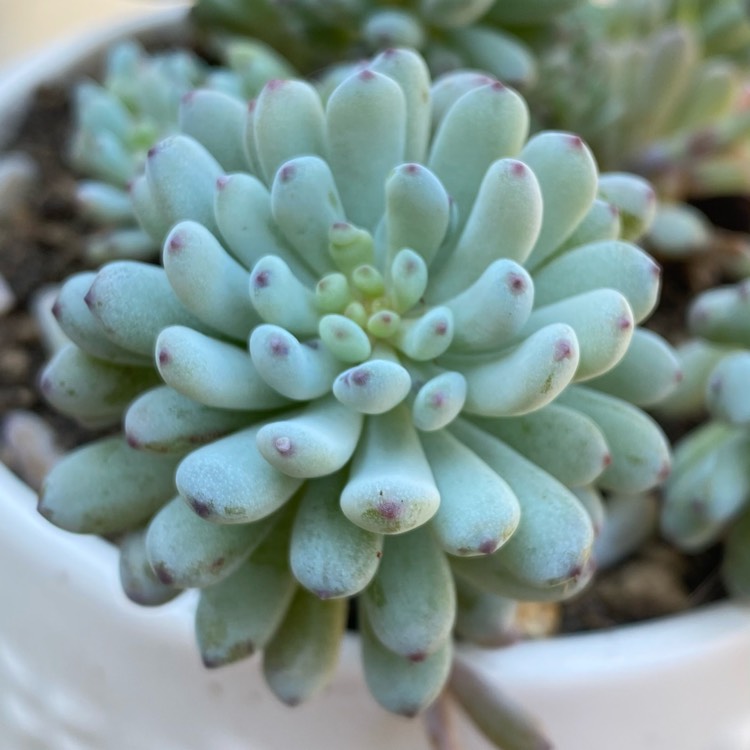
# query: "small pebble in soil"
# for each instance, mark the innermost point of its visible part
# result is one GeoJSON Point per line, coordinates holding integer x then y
{"type": "Point", "coordinates": [537, 619]}
{"type": "Point", "coordinates": [19, 173]}
{"type": "Point", "coordinates": [28, 446]}
{"type": "Point", "coordinates": [7, 298]}
{"type": "Point", "coordinates": [16, 364]}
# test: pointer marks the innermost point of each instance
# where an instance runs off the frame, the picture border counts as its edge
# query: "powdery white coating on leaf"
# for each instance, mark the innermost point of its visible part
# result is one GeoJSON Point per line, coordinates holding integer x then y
{"type": "Point", "coordinates": [316, 442]}
{"type": "Point", "coordinates": [374, 387]}
{"type": "Point", "coordinates": [329, 555]}
{"type": "Point", "coordinates": [230, 482]}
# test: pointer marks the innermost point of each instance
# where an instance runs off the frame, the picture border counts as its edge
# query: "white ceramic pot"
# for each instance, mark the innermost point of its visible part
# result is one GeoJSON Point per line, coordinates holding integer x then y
{"type": "Point", "coordinates": [81, 668]}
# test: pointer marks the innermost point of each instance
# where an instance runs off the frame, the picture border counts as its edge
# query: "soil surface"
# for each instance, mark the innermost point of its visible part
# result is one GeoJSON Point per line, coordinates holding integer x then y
{"type": "Point", "coordinates": [42, 242]}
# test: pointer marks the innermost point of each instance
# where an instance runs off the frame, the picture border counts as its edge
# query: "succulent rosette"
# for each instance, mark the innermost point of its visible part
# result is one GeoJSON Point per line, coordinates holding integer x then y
{"type": "Point", "coordinates": [136, 104]}
{"type": "Point", "coordinates": [655, 89]}
{"type": "Point", "coordinates": [707, 500]}
{"type": "Point", "coordinates": [372, 364]}
{"type": "Point", "coordinates": [484, 34]}
{"type": "Point", "coordinates": [722, 27]}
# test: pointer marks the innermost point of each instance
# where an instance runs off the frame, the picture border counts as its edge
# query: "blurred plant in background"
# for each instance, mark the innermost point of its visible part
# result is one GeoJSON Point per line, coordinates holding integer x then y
{"type": "Point", "coordinates": [707, 497]}
{"type": "Point", "coordinates": [138, 102]}
{"type": "Point", "coordinates": [660, 89]}
{"type": "Point", "coordinates": [483, 34]}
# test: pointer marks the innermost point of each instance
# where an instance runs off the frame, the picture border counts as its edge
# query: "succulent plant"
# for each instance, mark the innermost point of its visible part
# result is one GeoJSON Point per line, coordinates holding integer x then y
{"type": "Point", "coordinates": [653, 91]}
{"type": "Point", "coordinates": [451, 34]}
{"type": "Point", "coordinates": [708, 497]}
{"type": "Point", "coordinates": [371, 365]}
{"type": "Point", "coordinates": [722, 27]}
{"type": "Point", "coordinates": [139, 102]}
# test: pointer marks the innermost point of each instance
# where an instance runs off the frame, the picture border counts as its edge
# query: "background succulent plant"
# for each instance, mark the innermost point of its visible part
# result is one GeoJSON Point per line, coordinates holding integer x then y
{"type": "Point", "coordinates": [658, 89]}
{"type": "Point", "coordinates": [400, 297]}
{"type": "Point", "coordinates": [706, 499]}
{"type": "Point", "coordinates": [450, 34]}
{"type": "Point", "coordinates": [138, 102]}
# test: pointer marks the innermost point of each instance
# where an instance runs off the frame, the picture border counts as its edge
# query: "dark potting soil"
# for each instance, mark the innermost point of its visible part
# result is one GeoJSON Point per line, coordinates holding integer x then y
{"type": "Point", "coordinates": [42, 243]}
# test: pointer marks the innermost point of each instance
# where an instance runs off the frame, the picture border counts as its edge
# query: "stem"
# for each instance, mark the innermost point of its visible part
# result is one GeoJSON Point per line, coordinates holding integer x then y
{"type": "Point", "coordinates": [440, 725]}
